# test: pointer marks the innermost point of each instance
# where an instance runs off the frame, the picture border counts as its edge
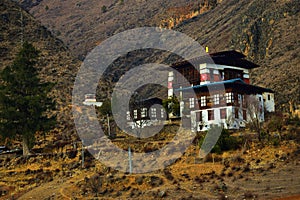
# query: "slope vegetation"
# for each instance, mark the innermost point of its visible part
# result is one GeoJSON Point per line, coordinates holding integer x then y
{"type": "Point", "coordinates": [55, 63]}
{"type": "Point", "coordinates": [266, 31]}
{"type": "Point", "coordinates": [84, 24]}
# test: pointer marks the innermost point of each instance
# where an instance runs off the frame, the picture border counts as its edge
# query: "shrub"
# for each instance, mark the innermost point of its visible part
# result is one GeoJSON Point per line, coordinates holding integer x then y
{"type": "Point", "coordinates": [95, 183]}
{"type": "Point", "coordinates": [276, 142]}
{"type": "Point", "coordinates": [275, 123]}
{"type": "Point", "coordinates": [104, 9]}
{"type": "Point", "coordinates": [225, 142]}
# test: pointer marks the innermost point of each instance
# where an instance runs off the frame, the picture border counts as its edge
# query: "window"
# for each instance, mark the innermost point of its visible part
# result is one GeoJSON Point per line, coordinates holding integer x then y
{"type": "Point", "coordinates": [196, 76]}
{"type": "Point", "coordinates": [216, 99]}
{"type": "Point", "coordinates": [229, 97]}
{"type": "Point", "coordinates": [144, 112]}
{"type": "Point", "coordinates": [222, 75]}
{"type": "Point", "coordinates": [223, 113]}
{"type": "Point", "coordinates": [269, 97]}
{"type": "Point", "coordinates": [192, 102]}
{"type": "Point", "coordinates": [245, 115]}
{"type": "Point", "coordinates": [153, 112]}
{"type": "Point", "coordinates": [162, 113]}
{"type": "Point", "coordinates": [211, 115]}
{"type": "Point", "coordinates": [135, 114]}
{"type": "Point", "coordinates": [243, 101]}
{"type": "Point", "coordinates": [240, 99]}
{"type": "Point", "coordinates": [211, 75]}
{"type": "Point", "coordinates": [199, 116]}
{"type": "Point", "coordinates": [209, 100]}
{"type": "Point", "coordinates": [232, 74]}
{"type": "Point", "coordinates": [236, 113]}
{"type": "Point", "coordinates": [222, 98]}
{"type": "Point", "coordinates": [128, 115]}
{"type": "Point", "coordinates": [259, 98]}
{"type": "Point", "coordinates": [203, 101]}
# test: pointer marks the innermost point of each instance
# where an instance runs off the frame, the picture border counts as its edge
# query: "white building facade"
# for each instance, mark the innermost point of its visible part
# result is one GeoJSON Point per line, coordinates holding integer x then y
{"type": "Point", "coordinates": [220, 93]}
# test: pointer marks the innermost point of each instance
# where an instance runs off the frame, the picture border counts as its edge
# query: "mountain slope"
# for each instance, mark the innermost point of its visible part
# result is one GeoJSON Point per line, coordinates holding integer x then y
{"type": "Point", "coordinates": [55, 63]}
{"type": "Point", "coordinates": [266, 31]}
{"type": "Point", "coordinates": [84, 24]}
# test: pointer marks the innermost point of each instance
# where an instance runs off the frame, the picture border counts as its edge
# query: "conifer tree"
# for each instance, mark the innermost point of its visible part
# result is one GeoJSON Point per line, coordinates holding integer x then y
{"type": "Point", "coordinates": [24, 100]}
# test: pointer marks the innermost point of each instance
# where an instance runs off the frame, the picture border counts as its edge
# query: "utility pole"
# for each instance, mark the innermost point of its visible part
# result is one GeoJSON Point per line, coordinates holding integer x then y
{"type": "Point", "coordinates": [108, 125]}
{"type": "Point", "coordinates": [130, 160]}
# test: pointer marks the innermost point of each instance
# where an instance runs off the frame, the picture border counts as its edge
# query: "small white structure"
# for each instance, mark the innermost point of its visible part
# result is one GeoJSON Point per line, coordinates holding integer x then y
{"type": "Point", "coordinates": [90, 100]}
{"type": "Point", "coordinates": [269, 102]}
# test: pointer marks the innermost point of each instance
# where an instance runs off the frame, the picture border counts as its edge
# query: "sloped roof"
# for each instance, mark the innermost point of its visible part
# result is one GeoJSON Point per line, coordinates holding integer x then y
{"type": "Point", "coordinates": [229, 58]}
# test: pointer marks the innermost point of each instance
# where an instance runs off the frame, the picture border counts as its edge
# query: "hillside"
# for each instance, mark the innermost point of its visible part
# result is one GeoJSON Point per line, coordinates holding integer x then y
{"type": "Point", "coordinates": [84, 24]}
{"type": "Point", "coordinates": [266, 31]}
{"type": "Point", "coordinates": [55, 63]}
{"type": "Point", "coordinates": [251, 170]}
{"type": "Point", "coordinates": [269, 171]}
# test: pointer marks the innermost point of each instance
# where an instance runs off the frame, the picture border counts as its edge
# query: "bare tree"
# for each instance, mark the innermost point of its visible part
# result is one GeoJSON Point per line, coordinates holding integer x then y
{"type": "Point", "coordinates": [230, 119]}
{"type": "Point", "coordinates": [254, 111]}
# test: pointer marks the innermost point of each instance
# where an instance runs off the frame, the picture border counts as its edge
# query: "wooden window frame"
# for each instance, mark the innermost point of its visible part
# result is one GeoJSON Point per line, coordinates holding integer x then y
{"type": "Point", "coordinates": [211, 115]}
{"type": "Point", "coordinates": [223, 113]}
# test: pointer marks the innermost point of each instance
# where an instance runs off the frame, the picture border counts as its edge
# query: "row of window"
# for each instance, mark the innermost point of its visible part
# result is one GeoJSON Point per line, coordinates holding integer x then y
{"type": "Point", "coordinates": [191, 74]}
{"type": "Point", "coordinates": [216, 99]}
{"type": "Point", "coordinates": [187, 73]}
{"type": "Point", "coordinates": [223, 114]}
{"type": "Point", "coordinates": [268, 97]}
{"type": "Point", "coordinates": [144, 113]}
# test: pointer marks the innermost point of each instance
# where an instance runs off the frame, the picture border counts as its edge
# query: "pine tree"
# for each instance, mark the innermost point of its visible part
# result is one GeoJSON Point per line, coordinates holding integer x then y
{"type": "Point", "coordinates": [24, 101]}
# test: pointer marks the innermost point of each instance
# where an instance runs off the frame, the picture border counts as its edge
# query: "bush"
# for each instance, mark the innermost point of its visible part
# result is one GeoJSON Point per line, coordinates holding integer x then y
{"type": "Point", "coordinates": [95, 183]}
{"type": "Point", "coordinates": [276, 141]}
{"type": "Point", "coordinates": [103, 9]}
{"type": "Point", "coordinates": [225, 142]}
{"type": "Point", "coordinates": [217, 149]}
{"type": "Point", "coordinates": [275, 123]}
{"type": "Point", "coordinates": [105, 109]}
{"type": "Point", "coordinates": [264, 135]}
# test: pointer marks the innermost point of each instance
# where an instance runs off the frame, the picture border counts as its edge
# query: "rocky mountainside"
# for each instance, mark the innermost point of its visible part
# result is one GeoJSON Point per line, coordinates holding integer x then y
{"type": "Point", "coordinates": [55, 63]}
{"type": "Point", "coordinates": [84, 24]}
{"type": "Point", "coordinates": [266, 31]}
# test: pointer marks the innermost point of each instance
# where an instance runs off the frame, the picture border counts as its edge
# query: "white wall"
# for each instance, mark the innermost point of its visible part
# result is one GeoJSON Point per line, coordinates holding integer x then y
{"type": "Point", "coordinates": [269, 102]}
{"type": "Point", "coordinates": [204, 68]}
{"type": "Point", "coordinates": [170, 79]}
{"type": "Point", "coordinates": [260, 98]}
{"type": "Point", "coordinates": [233, 123]}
